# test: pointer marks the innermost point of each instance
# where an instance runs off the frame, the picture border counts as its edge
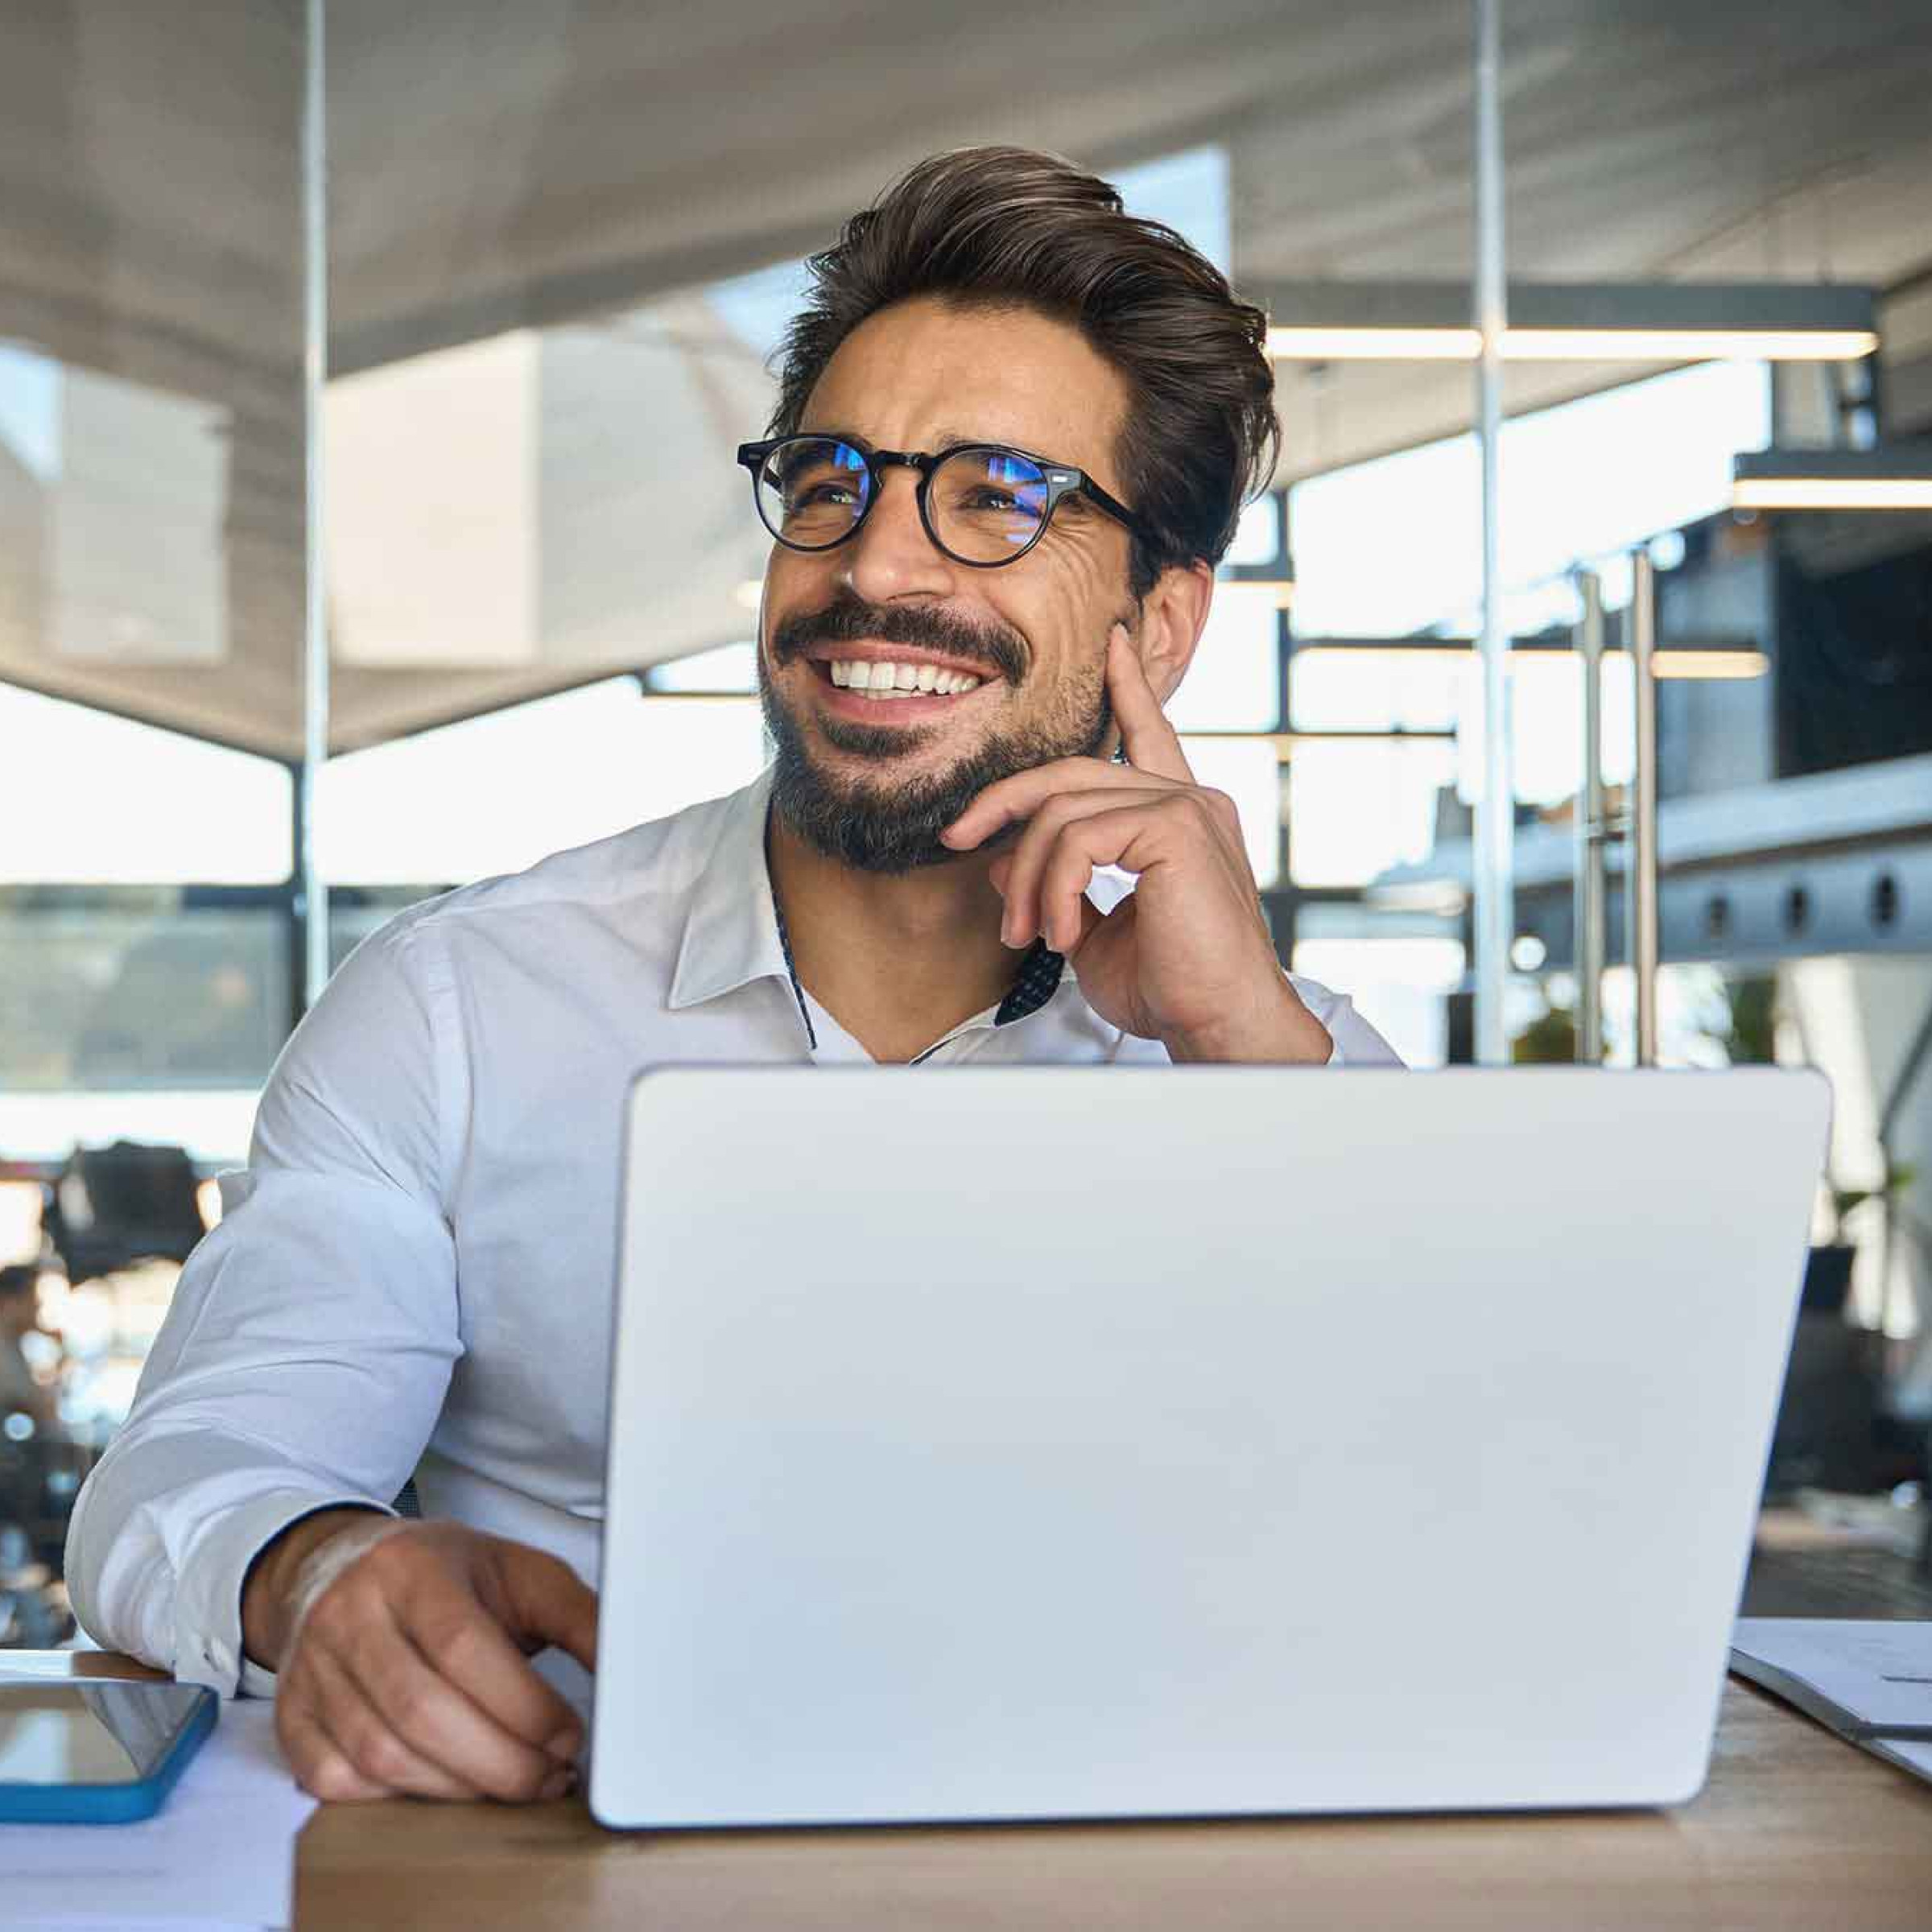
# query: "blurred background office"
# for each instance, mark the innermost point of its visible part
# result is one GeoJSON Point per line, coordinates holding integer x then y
{"type": "Point", "coordinates": [370, 381]}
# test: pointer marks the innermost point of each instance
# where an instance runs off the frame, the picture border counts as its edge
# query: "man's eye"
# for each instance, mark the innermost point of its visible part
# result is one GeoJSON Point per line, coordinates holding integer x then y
{"type": "Point", "coordinates": [810, 495]}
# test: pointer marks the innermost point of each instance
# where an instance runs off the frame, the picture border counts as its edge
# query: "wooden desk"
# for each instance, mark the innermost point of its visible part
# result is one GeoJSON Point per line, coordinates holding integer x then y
{"type": "Point", "coordinates": [1794, 1830]}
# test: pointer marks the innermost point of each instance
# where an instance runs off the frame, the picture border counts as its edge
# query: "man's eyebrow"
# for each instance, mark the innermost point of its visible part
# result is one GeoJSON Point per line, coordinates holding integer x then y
{"type": "Point", "coordinates": [838, 435]}
{"type": "Point", "coordinates": [944, 438]}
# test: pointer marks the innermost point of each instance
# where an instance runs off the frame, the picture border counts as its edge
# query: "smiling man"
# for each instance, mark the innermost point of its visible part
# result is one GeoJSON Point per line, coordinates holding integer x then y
{"type": "Point", "coordinates": [1015, 428]}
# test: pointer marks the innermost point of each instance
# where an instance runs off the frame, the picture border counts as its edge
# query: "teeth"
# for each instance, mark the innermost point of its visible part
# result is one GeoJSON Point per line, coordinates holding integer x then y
{"type": "Point", "coordinates": [889, 681]}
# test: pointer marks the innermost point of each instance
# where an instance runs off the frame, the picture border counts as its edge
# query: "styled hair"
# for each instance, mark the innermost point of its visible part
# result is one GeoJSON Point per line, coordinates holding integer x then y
{"type": "Point", "coordinates": [1006, 227]}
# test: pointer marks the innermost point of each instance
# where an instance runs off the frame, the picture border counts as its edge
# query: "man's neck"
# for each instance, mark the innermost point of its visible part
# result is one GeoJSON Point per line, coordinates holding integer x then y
{"type": "Point", "coordinates": [897, 960]}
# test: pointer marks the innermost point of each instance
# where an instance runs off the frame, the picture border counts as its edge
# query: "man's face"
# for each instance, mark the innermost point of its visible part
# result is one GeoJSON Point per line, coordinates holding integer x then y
{"type": "Point", "coordinates": [872, 781]}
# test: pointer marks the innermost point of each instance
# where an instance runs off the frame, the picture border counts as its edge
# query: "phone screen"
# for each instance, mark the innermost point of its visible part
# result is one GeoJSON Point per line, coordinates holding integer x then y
{"type": "Point", "coordinates": [84, 1733]}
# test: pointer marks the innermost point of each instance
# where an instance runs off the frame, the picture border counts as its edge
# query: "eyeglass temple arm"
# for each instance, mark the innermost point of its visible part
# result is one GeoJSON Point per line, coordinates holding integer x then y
{"type": "Point", "coordinates": [1114, 507]}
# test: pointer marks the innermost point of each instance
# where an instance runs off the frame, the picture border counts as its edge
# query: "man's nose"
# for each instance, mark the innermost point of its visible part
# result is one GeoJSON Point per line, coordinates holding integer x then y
{"type": "Point", "coordinates": [892, 556]}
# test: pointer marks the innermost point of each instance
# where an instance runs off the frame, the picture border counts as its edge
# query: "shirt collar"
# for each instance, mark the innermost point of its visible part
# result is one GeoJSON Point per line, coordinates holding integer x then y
{"type": "Point", "coordinates": [733, 934]}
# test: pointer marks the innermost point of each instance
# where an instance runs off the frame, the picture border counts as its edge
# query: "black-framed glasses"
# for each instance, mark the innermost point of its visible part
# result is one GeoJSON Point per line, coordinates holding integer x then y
{"type": "Point", "coordinates": [983, 504]}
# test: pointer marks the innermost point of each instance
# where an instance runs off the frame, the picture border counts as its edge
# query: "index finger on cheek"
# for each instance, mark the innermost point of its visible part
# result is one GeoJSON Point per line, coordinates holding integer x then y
{"type": "Point", "coordinates": [1151, 743]}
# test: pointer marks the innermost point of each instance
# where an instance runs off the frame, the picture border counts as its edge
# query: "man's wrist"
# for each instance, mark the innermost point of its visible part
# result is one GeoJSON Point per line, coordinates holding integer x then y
{"type": "Point", "coordinates": [1280, 1033]}
{"type": "Point", "coordinates": [267, 1590]}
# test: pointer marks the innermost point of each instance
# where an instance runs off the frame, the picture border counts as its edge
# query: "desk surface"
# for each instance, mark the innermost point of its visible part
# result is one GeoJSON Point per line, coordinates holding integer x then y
{"type": "Point", "coordinates": [1794, 1830]}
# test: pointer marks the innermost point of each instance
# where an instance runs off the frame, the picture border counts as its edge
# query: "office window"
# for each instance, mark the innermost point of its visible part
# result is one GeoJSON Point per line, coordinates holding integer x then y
{"type": "Point", "coordinates": [1586, 479]}
{"type": "Point", "coordinates": [86, 798]}
{"type": "Point", "coordinates": [151, 1013]}
{"type": "Point", "coordinates": [1398, 968]}
{"type": "Point", "coordinates": [1234, 683]}
{"type": "Point", "coordinates": [1357, 810]}
{"type": "Point", "coordinates": [497, 793]}
{"type": "Point", "coordinates": [1249, 772]}
{"type": "Point", "coordinates": [144, 975]}
{"type": "Point", "coordinates": [1583, 480]}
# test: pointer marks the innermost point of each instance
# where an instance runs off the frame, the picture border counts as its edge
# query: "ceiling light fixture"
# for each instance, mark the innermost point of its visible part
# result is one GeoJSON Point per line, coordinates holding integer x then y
{"type": "Point", "coordinates": [1686, 661]}
{"type": "Point", "coordinates": [1285, 744]}
{"type": "Point", "coordinates": [1665, 663]}
{"type": "Point", "coordinates": [1613, 345]}
{"type": "Point", "coordinates": [1575, 321]}
{"type": "Point", "coordinates": [1894, 476]}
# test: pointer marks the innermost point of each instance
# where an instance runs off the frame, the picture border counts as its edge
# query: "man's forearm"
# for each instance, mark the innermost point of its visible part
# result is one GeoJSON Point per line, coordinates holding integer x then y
{"type": "Point", "coordinates": [267, 1589]}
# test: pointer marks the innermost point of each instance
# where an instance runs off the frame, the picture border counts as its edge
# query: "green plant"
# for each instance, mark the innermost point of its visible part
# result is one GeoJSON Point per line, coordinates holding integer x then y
{"type": "Point", "coordinates": [1750, 1039]}
{"type": "Point", "coordinates": [1549, 1040]}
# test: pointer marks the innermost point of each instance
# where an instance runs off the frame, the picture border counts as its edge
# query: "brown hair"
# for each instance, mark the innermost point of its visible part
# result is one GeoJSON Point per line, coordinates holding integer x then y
{"type": "Point", "coordinates": [1005, 226]}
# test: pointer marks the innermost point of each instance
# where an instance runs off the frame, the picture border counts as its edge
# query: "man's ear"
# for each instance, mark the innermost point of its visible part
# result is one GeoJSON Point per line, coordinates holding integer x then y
{"type": "Point", "coordinates": [1172, 615]}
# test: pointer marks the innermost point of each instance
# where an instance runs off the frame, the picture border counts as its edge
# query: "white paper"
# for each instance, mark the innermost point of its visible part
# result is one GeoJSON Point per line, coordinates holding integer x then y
{"type": "Point", "coordinates": [1879, 1673]}
{"type": "Point", "coordinates": [220, 1852]}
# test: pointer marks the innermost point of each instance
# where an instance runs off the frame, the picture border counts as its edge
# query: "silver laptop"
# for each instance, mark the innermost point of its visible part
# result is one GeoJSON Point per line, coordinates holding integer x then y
{"type": "Point", "coordinates": [1113, 1442]}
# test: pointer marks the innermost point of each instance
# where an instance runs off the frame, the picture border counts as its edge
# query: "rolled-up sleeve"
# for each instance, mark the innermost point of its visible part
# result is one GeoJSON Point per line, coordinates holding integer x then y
{"type": "Point", "coordinates": [309, 1344]}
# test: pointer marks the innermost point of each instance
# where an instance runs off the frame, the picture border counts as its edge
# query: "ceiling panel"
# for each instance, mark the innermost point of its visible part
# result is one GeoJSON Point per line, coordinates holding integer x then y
{"type": "Point", "coordinates": [534, 163]}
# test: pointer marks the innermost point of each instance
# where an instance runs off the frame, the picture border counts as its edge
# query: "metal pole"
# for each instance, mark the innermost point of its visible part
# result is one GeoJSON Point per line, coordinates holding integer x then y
{"type": "Point", "coordinates": [1495, 814]}
{"type": "Point", "coordinates": [1283, 926]}
{"type": "Point", "coordinates": [1640, 854]}
{"type": "Point", "coordinates": [1592, 834]}
{"type": "Point", "coordinates": [312, 892]}
{"type": "Point", "coordinates": [1914, 1064]}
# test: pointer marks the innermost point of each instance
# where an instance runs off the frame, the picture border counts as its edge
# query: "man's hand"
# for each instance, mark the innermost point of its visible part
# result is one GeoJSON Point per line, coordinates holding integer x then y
{"type": "Point", "coordinates": [1186, 959]}
{"type": "Point", "coordinates": [402, 1652]}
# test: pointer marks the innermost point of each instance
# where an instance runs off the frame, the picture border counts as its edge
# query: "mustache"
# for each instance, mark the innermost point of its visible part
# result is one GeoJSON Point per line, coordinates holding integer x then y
{"type": "Point", "coordinates": [851, 620]}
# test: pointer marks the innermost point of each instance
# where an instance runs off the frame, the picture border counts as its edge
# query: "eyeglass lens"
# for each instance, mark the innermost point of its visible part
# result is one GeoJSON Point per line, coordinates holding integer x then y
{"type": "Point", "coordinates": [983, 505]}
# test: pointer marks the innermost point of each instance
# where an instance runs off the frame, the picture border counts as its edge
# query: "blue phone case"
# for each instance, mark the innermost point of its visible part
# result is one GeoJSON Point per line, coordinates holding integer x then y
{"type": "Point", "coordinates": [113, 1804]}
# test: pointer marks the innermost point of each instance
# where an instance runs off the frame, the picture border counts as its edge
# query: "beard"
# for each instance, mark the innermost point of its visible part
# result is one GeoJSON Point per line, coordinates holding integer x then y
{"type": "Point", "coordinates": [888, 824]}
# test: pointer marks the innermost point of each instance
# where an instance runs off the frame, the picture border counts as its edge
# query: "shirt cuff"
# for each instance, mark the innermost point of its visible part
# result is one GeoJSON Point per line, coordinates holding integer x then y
{"type": "Point", "coordinates": [208, 1597]}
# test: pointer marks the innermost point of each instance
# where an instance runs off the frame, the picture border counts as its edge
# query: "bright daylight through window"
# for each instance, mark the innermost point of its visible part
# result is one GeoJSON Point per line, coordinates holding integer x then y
{"type": "Point", "coordinates": [1580, 484]}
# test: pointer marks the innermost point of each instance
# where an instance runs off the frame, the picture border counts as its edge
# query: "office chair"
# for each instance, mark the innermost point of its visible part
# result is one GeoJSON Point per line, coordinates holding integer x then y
{"type": "Point", "coordinates": [114, 1206]}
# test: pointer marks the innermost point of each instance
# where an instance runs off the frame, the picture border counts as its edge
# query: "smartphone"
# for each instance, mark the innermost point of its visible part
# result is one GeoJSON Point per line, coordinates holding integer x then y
{"type": "Point", "coordinates": [93, 1751]}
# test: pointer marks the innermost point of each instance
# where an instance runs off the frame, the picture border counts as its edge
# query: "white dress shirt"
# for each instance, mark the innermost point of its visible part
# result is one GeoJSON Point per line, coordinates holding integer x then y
{"type": "Point", "coordinates": [413, 1274]}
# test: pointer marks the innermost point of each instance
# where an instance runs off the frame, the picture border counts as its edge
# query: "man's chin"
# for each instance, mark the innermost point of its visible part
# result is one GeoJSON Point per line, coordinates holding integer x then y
{"type": "Point", "coordinates": [877, 815]}
{"type": "Point", "coordinates": [875, 798]}
{"type": "Point", "coordinates": [875, 828]}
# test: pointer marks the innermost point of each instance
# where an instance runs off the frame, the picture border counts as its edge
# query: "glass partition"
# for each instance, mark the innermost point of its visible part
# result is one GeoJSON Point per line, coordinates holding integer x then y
{"type": "Point", "coordinates": [151, 570]}
{"type": "Point", "coordinates": [153, 499]}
